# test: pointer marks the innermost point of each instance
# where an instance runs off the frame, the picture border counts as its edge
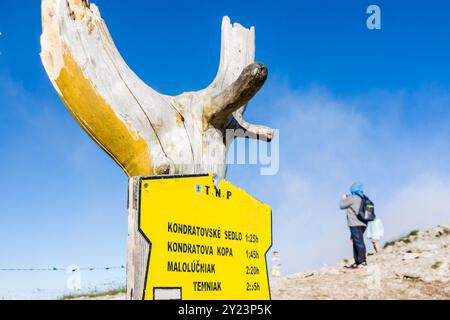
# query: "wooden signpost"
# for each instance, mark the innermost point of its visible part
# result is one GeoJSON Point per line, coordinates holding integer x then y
{"type": "Point", "coordinates": [189, 239]}
{"type": "Point", "coordinates": [151, 134]}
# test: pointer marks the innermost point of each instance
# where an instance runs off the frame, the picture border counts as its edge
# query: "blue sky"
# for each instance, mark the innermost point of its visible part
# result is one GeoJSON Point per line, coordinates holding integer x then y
{"type": "Point", "coordinates": [350, 103]}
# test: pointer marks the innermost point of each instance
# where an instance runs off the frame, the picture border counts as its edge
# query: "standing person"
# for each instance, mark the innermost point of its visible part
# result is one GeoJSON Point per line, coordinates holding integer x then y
{"type": "Point", "coordinates": [375, 231]}
{"type": "Point", "coordinates": [352, 203]}
{"type": "Point", "coordinates": [276, 265]}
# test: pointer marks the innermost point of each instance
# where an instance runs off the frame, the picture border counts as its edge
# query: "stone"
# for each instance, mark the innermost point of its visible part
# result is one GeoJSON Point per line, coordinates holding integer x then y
{"type": "Point", "coordinates": [411, 275]}
{"type": "Point", "coordinates": [410, 256]}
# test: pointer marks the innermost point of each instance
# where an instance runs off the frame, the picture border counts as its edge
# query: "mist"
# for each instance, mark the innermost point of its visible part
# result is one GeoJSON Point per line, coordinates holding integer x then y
{"type": "Point", "coordinates": [327, 143]}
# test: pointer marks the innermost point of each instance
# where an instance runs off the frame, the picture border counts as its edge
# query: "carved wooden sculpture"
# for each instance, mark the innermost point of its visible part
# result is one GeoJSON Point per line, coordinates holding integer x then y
{"type": "Point", "coordinates": [145, 132]}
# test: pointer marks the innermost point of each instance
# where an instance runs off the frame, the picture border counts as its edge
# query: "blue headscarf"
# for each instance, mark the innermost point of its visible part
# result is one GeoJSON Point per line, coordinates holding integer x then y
{"type": "Point", "coordinates": [357, 189]}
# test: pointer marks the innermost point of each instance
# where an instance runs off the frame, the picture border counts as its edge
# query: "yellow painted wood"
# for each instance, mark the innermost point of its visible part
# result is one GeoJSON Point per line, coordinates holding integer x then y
{"type": "Point", "coordinates": [98, 119]}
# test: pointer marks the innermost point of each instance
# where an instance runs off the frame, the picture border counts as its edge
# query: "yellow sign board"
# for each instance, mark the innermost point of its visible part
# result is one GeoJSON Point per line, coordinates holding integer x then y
{"type": "Point", "coordinates": [206, 242]}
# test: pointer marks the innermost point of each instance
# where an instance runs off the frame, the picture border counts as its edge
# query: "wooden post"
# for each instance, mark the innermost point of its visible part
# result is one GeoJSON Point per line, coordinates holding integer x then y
{"type": "Point", "coordinates": [145, 132]}
{"type": "Point", "coordinates": [148, 133]}
{"type": "Point", "coordinates": [138, 248]}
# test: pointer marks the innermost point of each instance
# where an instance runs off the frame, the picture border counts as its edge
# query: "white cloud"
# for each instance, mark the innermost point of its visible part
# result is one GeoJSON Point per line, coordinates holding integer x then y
{"type": "Point", "coordinates": [423, 203]}
{"type": "Point", "coordinates": [387, 140]}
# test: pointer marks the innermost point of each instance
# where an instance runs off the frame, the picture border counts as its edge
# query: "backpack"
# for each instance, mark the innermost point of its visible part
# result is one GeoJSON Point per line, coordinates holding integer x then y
{"type": "Point", "coordinates": [366, 212]}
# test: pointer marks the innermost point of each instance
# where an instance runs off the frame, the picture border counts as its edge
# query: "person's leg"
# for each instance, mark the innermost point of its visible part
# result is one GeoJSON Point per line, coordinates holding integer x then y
{"type": "Point", "coordinates": [363, 251]}
{"type": "Point", "coordinates": [358, 242]}
{"type": "Point", "coordinates": [353, 233]}
{"type": "Point", "coordinates": [376, 246]}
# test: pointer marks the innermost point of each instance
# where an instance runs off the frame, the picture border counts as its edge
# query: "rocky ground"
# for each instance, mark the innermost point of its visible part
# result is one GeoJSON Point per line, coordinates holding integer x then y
{"type": "Point", "coordinates": [414, 267]}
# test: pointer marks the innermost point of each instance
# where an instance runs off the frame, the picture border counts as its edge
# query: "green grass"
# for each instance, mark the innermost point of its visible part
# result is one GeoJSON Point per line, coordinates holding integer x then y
{"type": "Point", "coordinates": [406, 239]}
{"type": "Point", "coordinates": [95, 294]}
{"type": "Point", "coordinates": [413, 233]}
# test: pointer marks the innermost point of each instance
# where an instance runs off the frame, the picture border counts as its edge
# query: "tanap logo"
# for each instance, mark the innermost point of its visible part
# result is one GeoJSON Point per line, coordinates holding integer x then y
{"type": "Point", "coordinates": [198, 188]}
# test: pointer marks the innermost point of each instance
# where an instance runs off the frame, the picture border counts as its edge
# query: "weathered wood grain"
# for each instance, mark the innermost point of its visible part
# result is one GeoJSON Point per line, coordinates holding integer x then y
{"type": "Point", "coordinates": [145, 132]}
{"type": "Point", "coordinates": [138, 247]}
